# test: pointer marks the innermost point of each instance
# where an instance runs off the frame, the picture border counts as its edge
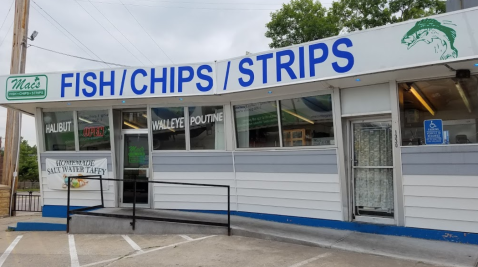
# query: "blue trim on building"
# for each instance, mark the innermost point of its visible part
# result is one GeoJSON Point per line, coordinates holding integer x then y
{"type": "Point", "coordinates": [38, 226]}
{"type": "Point", "coordinates": [431, 234]}
{"type": "Point", "coordinates": [56, 211]}
{"type": "Point", "coordinates": [441, 235]}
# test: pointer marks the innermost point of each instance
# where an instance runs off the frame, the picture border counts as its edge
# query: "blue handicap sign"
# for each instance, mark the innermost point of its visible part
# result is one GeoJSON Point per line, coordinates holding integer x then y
{"type": "Point", "coordinates": [433, 132]}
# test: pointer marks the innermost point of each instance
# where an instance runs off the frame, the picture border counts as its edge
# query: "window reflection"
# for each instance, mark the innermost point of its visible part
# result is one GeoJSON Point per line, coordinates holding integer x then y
{"type": "Point", "coordinates": [307, 121]}
{"type": "Point", "coordinates": [135, 119]}
{"type": "Point", "coordinates": [257, 125]}
{"type": "Point", "coordinates": [454, 101]}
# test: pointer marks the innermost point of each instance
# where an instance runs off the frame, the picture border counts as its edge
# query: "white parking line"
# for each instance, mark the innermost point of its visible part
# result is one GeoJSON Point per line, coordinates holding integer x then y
{"type": "Point", "coordinates": [132, 243]}
{"type": "Point", "coordinates": [302, 263]}
{"type": "Point", "coordinates": [9, 249]}
{"type": "Point", "coordinates": [73, 254]}
{"type": "Point", "coordinates": [147, 251]}
{"type": "Point", "coordinates": [186, 237]}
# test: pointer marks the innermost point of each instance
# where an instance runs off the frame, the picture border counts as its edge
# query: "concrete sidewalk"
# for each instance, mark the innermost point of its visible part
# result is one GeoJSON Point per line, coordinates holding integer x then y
{"type": "Point", "coordinates": [418, 250]}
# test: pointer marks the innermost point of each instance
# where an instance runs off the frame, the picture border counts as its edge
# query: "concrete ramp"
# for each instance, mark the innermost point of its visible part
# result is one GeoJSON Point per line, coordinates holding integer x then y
{"type": "Point", "coordinates": [111, 224]}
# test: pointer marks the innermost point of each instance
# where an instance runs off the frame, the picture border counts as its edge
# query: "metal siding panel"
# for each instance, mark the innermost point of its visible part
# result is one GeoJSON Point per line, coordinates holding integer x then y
{"type": "Point", "coordinates": [332, 151]}
{"type": "Point", "coordinates": [190, 190]}
{"type": "Point", "coordinates": [315, 161]}
{"type": "Point", "coordinates": [192, 168]}
{"type": "Point", "coordinates": [442, 214]}
{"type": "Point", "coordinates": [442, 203]}
{"type": "Point", "coordinates": [185, 160]}
{"type": "Point", "coordinates": [292, 186]}
{"type": "Point", "coordinates": [291, 203]}
{"type": "Point", "coordinates": [287, 160]}
{"type": "Point", "coordinates": [287, 177]}
{"type": "Point", "coordinates": [439, 149]}
{"type": "Point", "coordinates": [287, 194]}
{"type": "Point", "coordinates": [440, 169]}
{"type": "Point", "coordinates": [441, 180]}
{"type": "Point", "coordinates": [440, 158]}
{"type": "Point", "coordinates": [193, 162]}
{"type": "Point", "coordinates": [461, 226]}
{"type": "Point", "coordinates": [322, 169]}
{"type": "Point", "coordinates": [190, 206]}
{"type": "Point", "coordinates": [441, 191]}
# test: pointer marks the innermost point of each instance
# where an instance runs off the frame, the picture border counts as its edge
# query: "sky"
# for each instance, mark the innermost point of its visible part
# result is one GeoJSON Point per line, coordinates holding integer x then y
{"type": "Point", "coordinates": [134, 33]}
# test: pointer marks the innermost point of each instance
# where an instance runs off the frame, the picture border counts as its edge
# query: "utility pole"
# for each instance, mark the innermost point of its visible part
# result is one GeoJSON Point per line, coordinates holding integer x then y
{"type": "Point", "coordinates": [17, 66]}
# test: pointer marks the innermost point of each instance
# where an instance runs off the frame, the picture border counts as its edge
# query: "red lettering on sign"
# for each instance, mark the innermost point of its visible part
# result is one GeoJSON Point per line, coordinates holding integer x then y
{"type": "Point", "coordinates": [98, 131]}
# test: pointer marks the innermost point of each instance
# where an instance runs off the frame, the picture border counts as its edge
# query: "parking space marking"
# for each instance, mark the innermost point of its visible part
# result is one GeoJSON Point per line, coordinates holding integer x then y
{"type": "Point", "coordinates": [73, 254]}
{"type": "Point", "coordinates": [302, 263]}
{"type": "Point", "coordinates": [132, 243]}
{"type": "Point", "coordinates": [145, 252]}
{"type": "Point", "coordinates": [9, 249]}
{"type": "Point", "coordinates": [186, 237]}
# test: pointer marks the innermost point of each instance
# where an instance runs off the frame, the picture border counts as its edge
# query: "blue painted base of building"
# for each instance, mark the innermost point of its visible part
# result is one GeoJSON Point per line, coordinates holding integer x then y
{"type": "Point", "coordinates": [441, 235]}
{"type": "Point", "coordinates": [430, 234]}
{"type": "Point", "coordinates": [38, 226]}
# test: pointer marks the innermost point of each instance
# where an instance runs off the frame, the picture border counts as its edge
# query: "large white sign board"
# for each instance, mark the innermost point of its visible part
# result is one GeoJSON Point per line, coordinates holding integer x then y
{"type": "Point", "coordinates": [442, 38]}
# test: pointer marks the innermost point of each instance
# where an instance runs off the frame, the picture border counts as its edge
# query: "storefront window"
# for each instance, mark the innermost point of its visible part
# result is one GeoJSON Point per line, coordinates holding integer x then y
{"type": "Point", "coordinates": [257, 125]}
{"type": "Point", "coordinates": [135, 119]}
{"type": "Point", "coordinates": [94, 130]}
{"type": "Point", "coordinates": [443, 111]}
{"type": "Point", "coordinates": [307, 121]}
{"type": "Point", "coordinates": [59, 131]}
{"type": "Point", "coordinates": [168, 127]}
{"type": "Point", "coordinates": [206, 127]}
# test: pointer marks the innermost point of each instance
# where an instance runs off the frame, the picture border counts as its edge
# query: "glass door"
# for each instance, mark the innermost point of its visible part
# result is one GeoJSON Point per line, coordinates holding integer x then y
{"type": "Point", "coordinates": [372, 169]}
{"type": "Point", "coordinates": [135, 167]}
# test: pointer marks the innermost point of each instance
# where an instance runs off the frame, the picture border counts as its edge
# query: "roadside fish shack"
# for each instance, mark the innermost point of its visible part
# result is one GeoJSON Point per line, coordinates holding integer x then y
{"type": "Point", "coordinates": [376, 126]}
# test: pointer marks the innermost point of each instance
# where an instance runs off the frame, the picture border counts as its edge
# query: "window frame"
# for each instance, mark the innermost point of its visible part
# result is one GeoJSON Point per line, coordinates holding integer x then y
{"type": "Point", "coordinates": [75, 127]}
{"type": "Point", "coordinates": [186, 127]}
{"type": "Point", "coordinates": [279, 117]}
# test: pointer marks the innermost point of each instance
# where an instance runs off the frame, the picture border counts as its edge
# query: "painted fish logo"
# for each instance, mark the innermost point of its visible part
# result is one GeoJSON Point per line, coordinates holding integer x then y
{"type": "Point", "coordinates": [429, 30]}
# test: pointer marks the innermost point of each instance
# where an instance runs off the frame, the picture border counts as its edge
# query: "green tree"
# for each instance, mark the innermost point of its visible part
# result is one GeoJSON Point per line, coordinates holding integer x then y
{"type": "Point", "coordinates": [28, 164]}
{"type": "Point", "coordinates": [365, 14]}
{"type": "Point", "coordinates": [300, 21]}
{"type": "Point", "coordinates": [305, 20]}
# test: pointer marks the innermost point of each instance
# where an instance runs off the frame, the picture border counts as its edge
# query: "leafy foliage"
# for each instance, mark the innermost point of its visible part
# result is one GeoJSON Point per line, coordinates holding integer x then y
{"type": "Point", "coordinates": [300, 21]}
{"type": "Point", "coordinates": [305, 20]}
{"type": "Point", "coordinates": [28, 169]}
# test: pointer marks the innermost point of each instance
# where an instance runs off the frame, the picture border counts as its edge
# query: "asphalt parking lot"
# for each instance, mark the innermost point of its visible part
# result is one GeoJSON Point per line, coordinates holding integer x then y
{"type": "Point", "coordinates": [60, 249]}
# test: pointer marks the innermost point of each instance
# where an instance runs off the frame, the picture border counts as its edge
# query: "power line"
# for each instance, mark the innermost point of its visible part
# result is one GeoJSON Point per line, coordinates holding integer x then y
{"type": "Point", "coordinates": [109, 32]}
{"type": "Point", "coordinates": [70, 33]}
{"type": "Point", "coordinates": [5, 37]}
{"type": "Point", "coordinates": [70, 55]}
{"type": "Point", "coordinates": [54, 25]}
{"type": "Point", "coordinates": [147, 33]}
{"type": "Point", "coordinates": [183, 7]}
{"type": "Point", "coordinates": [211, 3]}
{"type": "Point", "coordinates": [121, 33]}
{"type": "Point", "coordinates": [6, 16]}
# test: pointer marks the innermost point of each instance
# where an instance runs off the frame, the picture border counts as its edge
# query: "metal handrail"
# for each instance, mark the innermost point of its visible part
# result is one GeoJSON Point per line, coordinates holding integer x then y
{"type": "Point", "coordinates": [84, 211]}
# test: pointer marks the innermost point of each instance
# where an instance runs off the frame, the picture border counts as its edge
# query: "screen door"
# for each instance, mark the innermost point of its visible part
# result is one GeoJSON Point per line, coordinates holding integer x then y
{"type": "Point", "coordinates": [372, 168]}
